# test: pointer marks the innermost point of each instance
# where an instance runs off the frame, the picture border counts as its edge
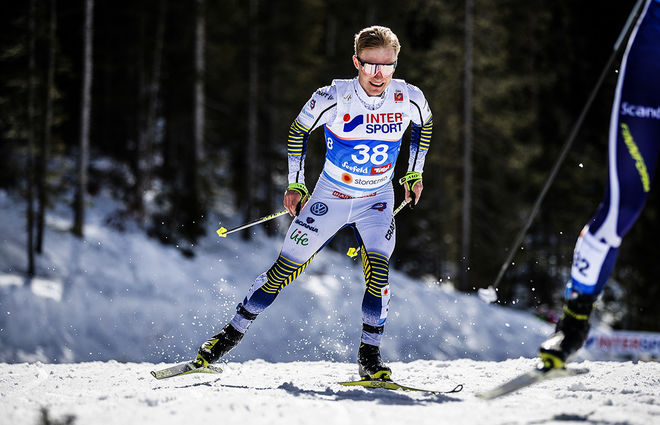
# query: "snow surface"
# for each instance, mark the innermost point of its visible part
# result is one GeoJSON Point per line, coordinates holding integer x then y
{"type": "Point", "coordinates": [81, 338]}
{"type": "Point", "coordinates": [258, 392]}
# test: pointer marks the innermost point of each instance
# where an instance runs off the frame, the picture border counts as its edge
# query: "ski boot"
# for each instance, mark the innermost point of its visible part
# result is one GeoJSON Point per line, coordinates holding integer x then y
{"type": "Point", "coordinates": [570, 333]}
{"type": "Point", "coordinates": [218, 345]}
{"type": "Point", "coordinates": [370, 364]}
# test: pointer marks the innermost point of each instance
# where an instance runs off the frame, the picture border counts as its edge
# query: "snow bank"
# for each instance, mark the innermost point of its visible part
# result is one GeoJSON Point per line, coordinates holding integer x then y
{"type": "Point", "coordinates": [123, 296]}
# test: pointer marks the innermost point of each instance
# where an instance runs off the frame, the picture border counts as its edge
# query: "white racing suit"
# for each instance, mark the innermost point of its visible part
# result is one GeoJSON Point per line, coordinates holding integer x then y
{"type": "Point", "coordinates": [363, 138]}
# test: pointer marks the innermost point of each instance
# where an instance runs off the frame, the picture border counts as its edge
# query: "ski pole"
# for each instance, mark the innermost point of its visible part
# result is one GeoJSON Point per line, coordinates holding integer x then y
{"type": "Point", "coordinates": [489, 294]}
{"type": "Point", "coordinates": [222, 232]}
{"type": "Point", "coordinates": [352, 252]}
{"type": "Point", "coordinates": [400, 207]}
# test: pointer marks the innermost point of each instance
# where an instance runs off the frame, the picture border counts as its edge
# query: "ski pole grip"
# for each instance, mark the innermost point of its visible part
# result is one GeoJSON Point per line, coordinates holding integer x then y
{"type": "Point", "coordinates": [302, 190]}
{"type": "Point", "coordinates": [409, 180]}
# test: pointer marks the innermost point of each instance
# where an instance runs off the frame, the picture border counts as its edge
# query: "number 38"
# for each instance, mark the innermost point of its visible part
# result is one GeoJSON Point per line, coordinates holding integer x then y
{"type": "Point", "coordinates": [377, 155]}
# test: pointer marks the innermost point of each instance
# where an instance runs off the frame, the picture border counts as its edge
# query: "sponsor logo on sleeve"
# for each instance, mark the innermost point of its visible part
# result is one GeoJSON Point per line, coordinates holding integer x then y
{"type": "Point", "coordinates": [324, 94]}
{"type": "Point", "coordinates": [307, 114]}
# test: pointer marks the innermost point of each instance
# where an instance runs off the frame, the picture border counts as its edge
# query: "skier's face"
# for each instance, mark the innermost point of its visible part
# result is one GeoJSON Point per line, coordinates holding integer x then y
{"type": "Point", "coordinates": [375, 69]}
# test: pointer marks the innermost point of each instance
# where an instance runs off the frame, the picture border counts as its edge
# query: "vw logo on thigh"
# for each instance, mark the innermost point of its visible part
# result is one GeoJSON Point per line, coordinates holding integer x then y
{"type": "Point", "coordinates": [319, 208]}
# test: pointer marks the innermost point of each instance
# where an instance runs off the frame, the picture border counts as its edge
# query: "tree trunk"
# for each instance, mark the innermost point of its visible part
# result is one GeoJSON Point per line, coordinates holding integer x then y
{"type": "Point", "coordinates": [467, 158]}
{"type": "Point", "coordinates": [31, 124]}
{"type": "Point", "coordinates": [193, 175]}
{"type": "Point", "coordinates": [273, 197]}
{"type": "Point", "coordinates": [199, 116]}
{"type": "Point", "coordinates": [42, 185]}
{"type": "Point", "coordinates": [251, 177]}
{"type": "Point", "coordinates": [200, 71]}
{"type": "Point", "coordinates": [147, 132]}
{"type": "Point", "coordinates": [85, 114]}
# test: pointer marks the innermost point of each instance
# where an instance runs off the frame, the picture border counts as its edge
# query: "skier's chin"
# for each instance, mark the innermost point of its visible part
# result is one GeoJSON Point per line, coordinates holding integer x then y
{"type": "Point", "coordinates": [377, 88]}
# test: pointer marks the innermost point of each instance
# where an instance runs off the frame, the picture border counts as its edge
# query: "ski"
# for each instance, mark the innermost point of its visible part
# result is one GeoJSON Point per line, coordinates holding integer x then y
{"type": "Point", "coordinates": [391, 385]}
{"type": "Point", "coordinates": [529, 378]}
{"type": "Point", "coordinates": [184, 369]}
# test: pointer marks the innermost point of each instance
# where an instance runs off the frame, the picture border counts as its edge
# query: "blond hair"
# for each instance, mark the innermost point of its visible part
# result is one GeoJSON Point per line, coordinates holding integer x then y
{"type": "Point", "coordinates": [376, 36]}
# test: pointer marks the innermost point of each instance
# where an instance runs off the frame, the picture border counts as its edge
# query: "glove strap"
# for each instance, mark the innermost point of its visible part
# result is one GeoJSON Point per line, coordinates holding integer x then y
{"type": "Point", "coordinates": [410, 179]}
{"type": "Point", "coordinates": [300, 188]}
{"type": "Point", "coordinates": [304, 193]}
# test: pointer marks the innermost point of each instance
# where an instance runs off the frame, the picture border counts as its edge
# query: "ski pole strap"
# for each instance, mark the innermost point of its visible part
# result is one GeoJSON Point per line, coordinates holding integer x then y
{"type": "Point", "coordinates": [302, 190]}
{"type": "Point", "coordinates": [410, 179]}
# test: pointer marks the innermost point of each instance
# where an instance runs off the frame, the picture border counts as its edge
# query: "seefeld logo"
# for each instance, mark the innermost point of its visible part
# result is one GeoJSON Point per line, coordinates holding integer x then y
{"type": "Point", "coordinates": [376, 123]}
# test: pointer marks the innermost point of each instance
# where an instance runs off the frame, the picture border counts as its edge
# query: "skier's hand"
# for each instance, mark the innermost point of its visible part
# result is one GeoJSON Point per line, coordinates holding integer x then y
{"type": "Point", "coordinates": [295, 198]}
{"type": "Point", "coordinates": [412, 185]}
{"type": "Point", "coordinates": [415, 194]}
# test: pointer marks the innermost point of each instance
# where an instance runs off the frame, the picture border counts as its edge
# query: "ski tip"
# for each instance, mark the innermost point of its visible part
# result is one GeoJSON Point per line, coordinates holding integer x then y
{"type": "Point", "coordinates": [161, 374]}
{"type": "Point", "coordinates": [222, 232]}
{"type": "Point", "coordinates": [486, 396]}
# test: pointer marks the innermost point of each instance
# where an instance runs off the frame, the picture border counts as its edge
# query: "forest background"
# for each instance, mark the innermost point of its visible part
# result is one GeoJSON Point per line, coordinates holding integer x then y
{"type": "Point", "coordinates": [190, 103]}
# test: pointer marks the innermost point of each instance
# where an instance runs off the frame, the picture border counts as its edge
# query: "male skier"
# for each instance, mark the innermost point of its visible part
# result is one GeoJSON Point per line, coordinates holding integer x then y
{"type": "Point", "coordinates": [363, 120]}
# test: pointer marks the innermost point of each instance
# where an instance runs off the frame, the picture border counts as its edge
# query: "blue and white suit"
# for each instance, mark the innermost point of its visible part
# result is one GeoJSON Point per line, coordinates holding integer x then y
{"type": "Point", "coordinates": [634, 144]}
{"type": "Point", "coordinates": [363, 138]}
